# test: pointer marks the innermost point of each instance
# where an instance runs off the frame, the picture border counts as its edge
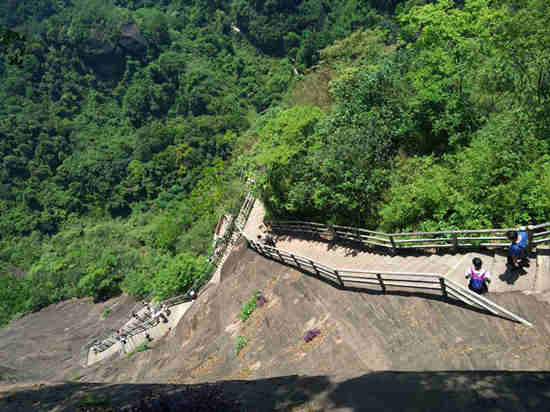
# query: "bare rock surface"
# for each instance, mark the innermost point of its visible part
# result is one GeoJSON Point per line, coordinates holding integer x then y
{"type": "Point", "coordinates": [399, 351]}
{"type": "Point", "coordinates": [47, 345]}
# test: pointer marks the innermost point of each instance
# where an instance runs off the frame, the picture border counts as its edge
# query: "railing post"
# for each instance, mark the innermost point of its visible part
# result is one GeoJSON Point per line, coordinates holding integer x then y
{"type": "Point", "coordinates": [314, 267]}
{"type": "Point", "coordinates": [339, 278]}
{"type": "Point", "coordinates": [393, 250]}
{"type": "Point", "coordinates": [443, 287]}
{"type": "Point", "coordinates": [260, 248]}
{"type": "Point", "coordinates": [332, 233]}
{"type": "Point", "coordinates": [379, 276]}
{"type": "Point", "coordinates": [296, 261]}
{"type": "Point", "coordinates": [530, 230]}
{"type": "Point", "coordinates": [455, 242]}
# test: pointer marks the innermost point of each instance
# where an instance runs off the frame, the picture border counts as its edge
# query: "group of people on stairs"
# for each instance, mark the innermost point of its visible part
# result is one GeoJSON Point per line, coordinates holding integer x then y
{"type": "Point", "coordinates": [517, 255]}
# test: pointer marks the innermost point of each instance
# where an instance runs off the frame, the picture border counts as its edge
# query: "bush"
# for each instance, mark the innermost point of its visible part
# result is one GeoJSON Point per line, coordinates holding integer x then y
{"type": "Point", "coordinates": [14, 297]}
{"type": "Point", "coordinates": [250, 306]}
{"type": "Point", "coordinates": [241, 343]}
{"type": "Point", "coordinates": [178, 274]}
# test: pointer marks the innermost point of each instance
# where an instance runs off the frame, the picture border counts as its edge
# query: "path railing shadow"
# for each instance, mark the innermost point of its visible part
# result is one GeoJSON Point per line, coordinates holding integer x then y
{"type": "Point", "coordinates": [442, 391]}
{"type": "Point", "coordinates": [430, 285]}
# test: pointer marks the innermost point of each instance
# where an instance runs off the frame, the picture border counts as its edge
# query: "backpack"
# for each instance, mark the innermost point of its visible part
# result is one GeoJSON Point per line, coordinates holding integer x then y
{"type": "Point", "coordinates": [477, 279]}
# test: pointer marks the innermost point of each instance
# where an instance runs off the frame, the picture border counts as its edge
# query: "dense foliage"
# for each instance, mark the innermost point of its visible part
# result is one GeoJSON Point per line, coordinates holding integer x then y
{"type": "Point", "coordinates": [126, 128]}
{"type": "Point", "coordinates": [444, 128]}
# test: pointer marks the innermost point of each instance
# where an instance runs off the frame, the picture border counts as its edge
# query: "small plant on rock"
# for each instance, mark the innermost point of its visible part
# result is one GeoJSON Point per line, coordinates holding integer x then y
{"type": "Point", "coordinates": [241, 343]}
{"type": "Point", "coordinates": [143, 347]}
{"type": "Point", "coordinates": [257, 300]}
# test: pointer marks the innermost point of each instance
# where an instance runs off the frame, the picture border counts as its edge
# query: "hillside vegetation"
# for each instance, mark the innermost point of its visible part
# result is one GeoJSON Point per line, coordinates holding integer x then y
{"type": "Point", "coordinates": [127, 127]}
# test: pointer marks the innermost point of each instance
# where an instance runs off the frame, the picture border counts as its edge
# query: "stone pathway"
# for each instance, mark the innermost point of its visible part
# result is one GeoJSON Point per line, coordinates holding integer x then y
{"type": "Point", "coordinates": [453, 266]}
{"type": "Point", "coordinates": [177, 311]}
{"type": "Point", "coordinates": [156, 332]}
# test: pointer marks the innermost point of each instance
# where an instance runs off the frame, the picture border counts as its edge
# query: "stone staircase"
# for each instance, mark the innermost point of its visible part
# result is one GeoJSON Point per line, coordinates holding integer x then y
{"type": "Point", "coordinates": [532, 279]}
{"type": "Point", "coordinates": [111, 346]}
{"type": "Point", "coordinates": [240, 223]}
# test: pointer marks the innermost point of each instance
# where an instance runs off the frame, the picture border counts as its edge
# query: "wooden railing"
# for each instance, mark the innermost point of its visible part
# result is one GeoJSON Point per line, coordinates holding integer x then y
{"type": "Point", "coordinates": [244, 212]}
{"type": "Point", "coordinates": [109, 337]}
{"type": "Point", "coordinates": [453, 239]}
{"type": "Point", "coordinates": [351, 278]}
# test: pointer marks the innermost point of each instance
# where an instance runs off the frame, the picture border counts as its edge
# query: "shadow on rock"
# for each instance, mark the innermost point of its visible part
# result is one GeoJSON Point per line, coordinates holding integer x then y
{"type": "Point", "coordinates": [377, 391]}
{"type": "Point", "coordinates": [512, 274]}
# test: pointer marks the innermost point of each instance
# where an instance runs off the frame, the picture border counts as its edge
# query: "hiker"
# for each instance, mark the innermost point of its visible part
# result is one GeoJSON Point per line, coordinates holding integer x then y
{"type": "Point", "coordinates": [166, 310]}
{"type": "Point", "coordinates": [122, 340]}
{"type": "Point", "coordinates": [518, 247]}
{"type": "Point", "coordinates": [479, 278]}
{"type": "Point", "coordinates": [156, 313]}
{"type": "Point", "coordinates": [267, 240]}
{"type": "Point", "coordinates": [136, 316]}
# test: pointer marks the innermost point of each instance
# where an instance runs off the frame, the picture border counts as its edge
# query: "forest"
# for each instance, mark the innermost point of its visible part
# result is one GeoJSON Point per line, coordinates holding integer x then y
{"type": "Point", "coordinates": [127, 127]}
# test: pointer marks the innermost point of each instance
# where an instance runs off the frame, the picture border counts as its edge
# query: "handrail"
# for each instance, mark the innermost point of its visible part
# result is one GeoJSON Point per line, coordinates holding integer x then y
{"type": "Point", "coordinates": [142, 325]}
{"type": "Point", "coordinates": [415, 280]}
{"type": "Point", "coordinates": [394, 241]}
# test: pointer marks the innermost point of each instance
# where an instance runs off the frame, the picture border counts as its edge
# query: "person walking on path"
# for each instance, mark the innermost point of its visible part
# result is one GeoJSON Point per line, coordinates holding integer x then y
{"type": "Point", "coordinates": [267, 239]}
{"type": "Point", "coordinates": [479, 278]}
{"type": "Point", "coordinates": [518, 247]}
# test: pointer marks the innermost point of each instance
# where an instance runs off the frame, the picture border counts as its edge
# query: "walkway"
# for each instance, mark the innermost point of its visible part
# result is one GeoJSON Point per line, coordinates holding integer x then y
{"type": "Point", "coordinates": [178, 310]}
{"type": "Point", "coordinates": [453, 266]}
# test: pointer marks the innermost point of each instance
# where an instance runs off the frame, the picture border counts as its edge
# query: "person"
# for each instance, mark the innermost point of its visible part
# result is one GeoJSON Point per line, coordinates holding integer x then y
{"type": "Point", "coordinates": [122, 340]}
{"type": "Point", "coordinates": [166, 310]}
{"type": "Point", "coordinates": [156, 312]}
{"type": "Point", "coordinates": [267, 240]}
{"type": "Point", "coordinates": [479, 278]}
{"type": "Point", "coordinates": [136, 316]}
{"type": "Point", "coordinates": [518, 247]}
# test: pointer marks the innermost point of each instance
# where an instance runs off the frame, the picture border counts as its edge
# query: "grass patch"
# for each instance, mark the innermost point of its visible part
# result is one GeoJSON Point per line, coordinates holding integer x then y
{"type": "Point", "coordinates": [250, 306]}
{"type": "Point", "coordinates": [107, 312]}
{"type": "Point", "coordinates": [92, 400]}
{"type": "Point", "coordinates": [77, 377]}
{"type": "Point", "coordinates": [141, 348]}
{"type": "Point", "coordinates": [240, 344]}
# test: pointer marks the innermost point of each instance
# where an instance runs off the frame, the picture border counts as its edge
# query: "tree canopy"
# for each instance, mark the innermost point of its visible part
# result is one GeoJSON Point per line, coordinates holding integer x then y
{"type": "Point", "coordinates": [126, 128]}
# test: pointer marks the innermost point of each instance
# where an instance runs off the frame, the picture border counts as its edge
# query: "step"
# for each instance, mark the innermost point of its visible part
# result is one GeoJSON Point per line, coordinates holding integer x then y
{"type": "Point", "coordinates": [508, 279]}
{"type": "Point", "coordinates": [542, 281]}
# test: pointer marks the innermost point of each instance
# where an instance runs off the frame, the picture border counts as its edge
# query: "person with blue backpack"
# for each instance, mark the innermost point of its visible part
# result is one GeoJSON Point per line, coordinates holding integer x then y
{"type": "Point", "coordinates": [479, 278]}
{"type": "Point", "coordinates": [518, 248]}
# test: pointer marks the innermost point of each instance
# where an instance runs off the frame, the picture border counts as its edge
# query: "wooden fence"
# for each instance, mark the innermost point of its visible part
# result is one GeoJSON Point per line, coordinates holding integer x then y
{"type": "Point", "coordinates": [453, 239]}
{"type": "Point", "coordinates": [145, 322]}
{"type": "Point", "coordinates": [353, 278]}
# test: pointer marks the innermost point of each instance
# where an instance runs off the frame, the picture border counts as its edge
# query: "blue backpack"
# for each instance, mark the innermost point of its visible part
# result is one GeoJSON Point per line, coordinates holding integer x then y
{"type": "Point", "coordinates": [477, 279]}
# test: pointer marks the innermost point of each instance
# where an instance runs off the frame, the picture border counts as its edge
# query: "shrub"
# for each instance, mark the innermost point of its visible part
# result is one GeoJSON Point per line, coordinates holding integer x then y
{"type": "Point", "coordinates": [250, 306]}
{"type": "Point", "coordinates": [241, 343]}
{"type": "Point", "coordinates": [141, 348]}
{"type": "Point", "coordinates": [178, 275]}
{"type": "Point", "coordinates": [14, 295]}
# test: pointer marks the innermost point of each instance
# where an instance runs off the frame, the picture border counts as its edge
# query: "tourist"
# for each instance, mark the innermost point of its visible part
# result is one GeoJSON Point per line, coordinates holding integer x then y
{"type": "Point", "coordinates": [479, 278]}
{"type": "Point", "coordinates": [518, 247]}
